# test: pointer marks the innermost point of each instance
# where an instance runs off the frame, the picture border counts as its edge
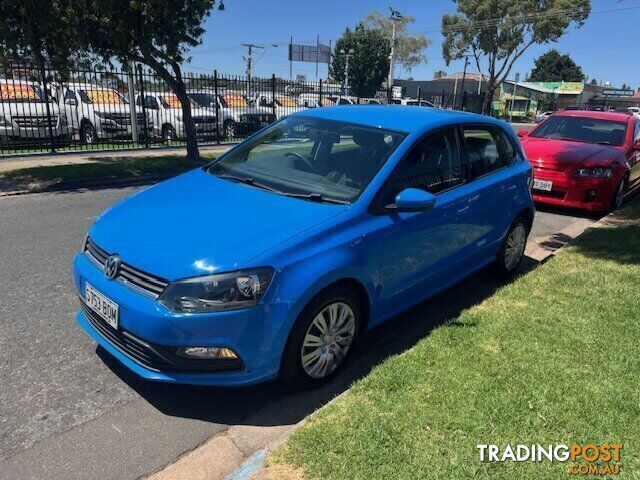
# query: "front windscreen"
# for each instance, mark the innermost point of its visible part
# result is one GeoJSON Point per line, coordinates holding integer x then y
{"type": "Point", "coordinates": [326, 160]}
{"type": "Point", "coordinates": [582, 129]}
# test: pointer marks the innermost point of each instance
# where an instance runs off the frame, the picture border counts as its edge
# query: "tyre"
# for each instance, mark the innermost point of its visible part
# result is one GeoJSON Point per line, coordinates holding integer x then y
{"type": "Point", "coordinates": [168, 134]}
{"type": "Point", "coordinates": [88, 134]}
{"type": "Point", "coordinates": [512, 250]}
{"type": "Point", "coordinates": [322, 339]}
{"type": "Point", "coordinates": [618, 196]}
{"type": "Point", "coordinates": [229, 129]}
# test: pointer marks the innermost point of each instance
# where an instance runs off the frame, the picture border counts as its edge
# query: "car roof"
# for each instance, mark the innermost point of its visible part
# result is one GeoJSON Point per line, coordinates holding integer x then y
{"type": "Point", "coordinates": [397, 117]}
{"type": "Point", "coordinates": [613, 116]}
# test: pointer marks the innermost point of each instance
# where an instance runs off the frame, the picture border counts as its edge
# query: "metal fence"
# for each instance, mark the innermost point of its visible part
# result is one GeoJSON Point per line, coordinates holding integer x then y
{"type": "Point", "coordinates": [114, 109]}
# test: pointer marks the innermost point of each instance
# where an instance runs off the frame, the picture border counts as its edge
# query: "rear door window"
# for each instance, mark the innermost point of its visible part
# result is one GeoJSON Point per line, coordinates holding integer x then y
{"type": "Point", "coordinates": [485, 148]}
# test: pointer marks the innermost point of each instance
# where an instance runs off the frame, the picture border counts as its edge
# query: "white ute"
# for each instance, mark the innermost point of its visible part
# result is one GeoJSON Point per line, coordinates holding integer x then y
{"type": "Point", "coordinates": [23, 115]}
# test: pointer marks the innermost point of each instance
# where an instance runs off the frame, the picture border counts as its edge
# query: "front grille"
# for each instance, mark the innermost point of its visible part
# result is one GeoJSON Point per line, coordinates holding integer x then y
{"type": "Point", "coordinates": [256, 117]}
{"type": "Point", "coordinates": [121, 118]}
{"type": "Point", "coordinates": [131, 277]}
{"type": "Point", "coordinates": [204, 120]}
{"type": "Point", "coordinates": [35, 121]}
{"type": "Point", "coordinates": [552, 194]}
{"type": "Point", "coordinates": [154, 357]}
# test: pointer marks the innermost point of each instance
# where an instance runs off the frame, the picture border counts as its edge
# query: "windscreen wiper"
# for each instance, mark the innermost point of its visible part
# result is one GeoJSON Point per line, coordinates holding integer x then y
{"type": "Point", "coordinates": [316, 197]}
{"type": "Point", "coordinates": [251, 182]}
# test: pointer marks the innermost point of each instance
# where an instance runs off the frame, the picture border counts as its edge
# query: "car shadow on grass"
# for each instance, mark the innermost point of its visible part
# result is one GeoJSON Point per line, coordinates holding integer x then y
{"type": "Point", "coordinates": [274, 403]}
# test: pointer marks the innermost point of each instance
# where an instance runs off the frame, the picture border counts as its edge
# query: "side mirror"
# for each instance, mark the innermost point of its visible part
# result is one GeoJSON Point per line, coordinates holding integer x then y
{"type": "Point", "coordinates": [413, 200]}
{"type": "Point", "coordinates": [71, 101]}
{"type": "Point", "coordinates": [636, 145]}
{"type": "Point", "coordinates": [523, 133]}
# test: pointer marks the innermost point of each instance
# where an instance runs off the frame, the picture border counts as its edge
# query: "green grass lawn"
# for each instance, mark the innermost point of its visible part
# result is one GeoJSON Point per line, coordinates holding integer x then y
{"type": "Point", "coordinates": [107, 168]}
{"type": "Point", "coordinates": [551, 358]}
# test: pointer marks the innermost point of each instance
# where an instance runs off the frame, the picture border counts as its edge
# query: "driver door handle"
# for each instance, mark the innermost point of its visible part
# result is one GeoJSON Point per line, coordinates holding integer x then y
{"type": "Point", "coordinates": [464, 209]}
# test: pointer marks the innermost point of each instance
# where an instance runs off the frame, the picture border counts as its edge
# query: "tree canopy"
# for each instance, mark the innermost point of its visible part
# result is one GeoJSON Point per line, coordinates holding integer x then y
{"type": "Point", "coordinates": [554, 67]}
{"type": "Point", "coordinates": [156, 33]}
{"type": "Point", "coordinates": [497, 32]}
{"type": "Point", "coordinates": [409, 48]}
{"type": "Point", "coordinates": [369, 65]}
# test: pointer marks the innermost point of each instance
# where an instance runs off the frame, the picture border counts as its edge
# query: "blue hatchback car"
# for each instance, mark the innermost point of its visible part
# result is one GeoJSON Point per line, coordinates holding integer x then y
{"type": "Point", "coordinates": [275, 258]}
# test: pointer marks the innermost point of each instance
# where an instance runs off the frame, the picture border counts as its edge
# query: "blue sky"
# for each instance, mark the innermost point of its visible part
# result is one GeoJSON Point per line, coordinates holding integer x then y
{"type": "Point", "coordinates": [606, 47]}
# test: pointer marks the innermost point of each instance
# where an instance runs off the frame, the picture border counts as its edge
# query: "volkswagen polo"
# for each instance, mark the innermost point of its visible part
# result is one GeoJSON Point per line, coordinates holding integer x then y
{"type": "Point", "coordinates": [273, 260]}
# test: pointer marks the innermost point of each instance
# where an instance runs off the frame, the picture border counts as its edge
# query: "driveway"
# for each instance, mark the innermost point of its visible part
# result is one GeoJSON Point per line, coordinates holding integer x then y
{"type": "Point", "coordinates": [68, 411]}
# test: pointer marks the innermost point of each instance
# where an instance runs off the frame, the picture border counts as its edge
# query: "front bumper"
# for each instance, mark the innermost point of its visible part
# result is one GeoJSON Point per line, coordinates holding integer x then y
{"type": "Point", "coordinates": [257, 335]}
{"type": "Point", "coordinates": [591, 194]}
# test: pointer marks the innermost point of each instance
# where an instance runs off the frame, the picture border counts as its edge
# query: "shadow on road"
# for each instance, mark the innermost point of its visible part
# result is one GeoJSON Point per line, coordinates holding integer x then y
{"type": "Point", "coordinates": [286, 406]}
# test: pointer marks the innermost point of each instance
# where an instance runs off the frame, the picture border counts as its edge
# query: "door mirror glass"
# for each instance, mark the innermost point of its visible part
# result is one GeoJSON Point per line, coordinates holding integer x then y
{"type": "Point", "coordinates": [523, 133]}
{"type": "Point", "coordinates": [413, 200]}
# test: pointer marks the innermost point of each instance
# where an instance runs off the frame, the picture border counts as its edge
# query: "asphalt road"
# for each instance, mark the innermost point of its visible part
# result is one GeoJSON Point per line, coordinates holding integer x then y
{"type": "Point", "coordinates": [67, 410]}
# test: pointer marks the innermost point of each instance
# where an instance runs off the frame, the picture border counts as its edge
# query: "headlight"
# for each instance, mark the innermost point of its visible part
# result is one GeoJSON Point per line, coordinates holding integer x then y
{"type": "Point", "coordinates": [4, 122]}
{"type": "Point", "coordinates": [225, 291]}
{"type": "Point", "coordinates": [63, 120]}
{"type": "Point", "coordinates": [596, 172]}
{"type": "Point", "coordinates": [102, 114]}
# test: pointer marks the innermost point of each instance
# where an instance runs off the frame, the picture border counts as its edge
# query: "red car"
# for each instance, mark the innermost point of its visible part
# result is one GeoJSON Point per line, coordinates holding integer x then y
{"type": "Point", "coordinates": [584, 159]}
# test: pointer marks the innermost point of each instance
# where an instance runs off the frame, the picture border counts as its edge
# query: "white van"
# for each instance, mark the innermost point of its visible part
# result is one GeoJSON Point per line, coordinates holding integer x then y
{"type": "Point", "coordinates": [165, 111]}
{"type": "Point", "coordinates": [99, 112]}
{"type": "Point", "coordinates": [23, 115]}
{"type": "Point", "coordinates": [284, 105]}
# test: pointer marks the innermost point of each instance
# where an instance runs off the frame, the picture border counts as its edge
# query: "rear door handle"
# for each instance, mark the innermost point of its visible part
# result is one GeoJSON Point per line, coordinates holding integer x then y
{"type": "Point", "coordinates": [464, 209]}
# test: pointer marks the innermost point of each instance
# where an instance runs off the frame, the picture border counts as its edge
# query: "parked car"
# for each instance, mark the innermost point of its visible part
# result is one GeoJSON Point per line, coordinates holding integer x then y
{"type": "Point", "coordinates": [540, 116]}
{"type": "Point", "coordinates": [165, 111]}
{"type": "Point", "coordinates": [313, 100]}
{"type": "Point", "coordinates": [99, 112]}
{"type": "Point", "coordinates": [586, 160]}
{"type": "Point", "coordinates": [341, 100]}
{"type": "Point", "coordinates": [634, 111]}
{"type": "Point", "coordinates": [236, 115]}
{"type": "Point", "coordinates": [412, 101]}
{"type": "Point", "coordinates": [283, 105]}
{"type": "Point", "coordinates": [24, 118]}
{"type": "Point", "coordinates": [296, 241]}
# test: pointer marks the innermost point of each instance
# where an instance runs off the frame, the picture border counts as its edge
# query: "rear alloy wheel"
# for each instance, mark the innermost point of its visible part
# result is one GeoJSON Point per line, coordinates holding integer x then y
{"type": "Point", "coordinates": [513, 248]}
{"type": "Point", "coordinates": [322, 339]}
{"type": "Point", "coordinates": [619, 195]}
{"type": "Point", "coordinates": [230, 129]}
{"type": "Point", "coordinates": [89, 135]}
{"type": "Point", "coordinates": [168, 134]}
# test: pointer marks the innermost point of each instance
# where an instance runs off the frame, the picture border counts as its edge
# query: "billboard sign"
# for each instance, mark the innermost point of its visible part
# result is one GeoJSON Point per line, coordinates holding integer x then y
{"type": "Point", "coordinates": [319, 53]}
{"type": "Point", "coordinates": [617, 92]}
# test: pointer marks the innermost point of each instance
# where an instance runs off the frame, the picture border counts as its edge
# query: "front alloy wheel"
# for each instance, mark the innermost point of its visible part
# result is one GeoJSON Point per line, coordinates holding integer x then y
{"type": "Point", "coordinates": [328, 340]}
{"type": "Point", "coordinates": [619, 195]}
{"type": "Point", "coordinates": [322, 338]}
{"type": "Point", "coordinates": [513, 247]}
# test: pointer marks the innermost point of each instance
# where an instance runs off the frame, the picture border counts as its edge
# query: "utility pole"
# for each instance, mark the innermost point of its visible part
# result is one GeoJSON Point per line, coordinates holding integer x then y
{"type": "Point", "coordinates": [464, 77]}
{"type": "Point", "coordinates": [513, 96]}
{"type": "Point", "coordinates": [249, 57]}
{"type": "Point", "coordinates": [347, 54]}
{"type": "Point", "coordinates": [395, 16]}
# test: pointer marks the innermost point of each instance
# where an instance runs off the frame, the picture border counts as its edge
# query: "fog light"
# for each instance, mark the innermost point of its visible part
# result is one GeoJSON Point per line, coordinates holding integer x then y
{"type": "Point", "coordinates": [206, 353]}
{"type": "Point", "coordinates": [591, 195]}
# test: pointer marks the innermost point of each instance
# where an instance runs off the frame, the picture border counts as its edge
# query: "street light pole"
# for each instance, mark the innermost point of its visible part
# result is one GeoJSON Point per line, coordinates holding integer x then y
{"type": "Point", "coordinates": [347, 54]}
{"type": "Point", "coordinates": [395, 16]}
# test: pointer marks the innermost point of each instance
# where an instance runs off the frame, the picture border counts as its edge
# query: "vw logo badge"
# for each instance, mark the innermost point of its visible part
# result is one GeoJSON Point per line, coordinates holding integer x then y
{"type": "Point", "coordinates": [112, 266]}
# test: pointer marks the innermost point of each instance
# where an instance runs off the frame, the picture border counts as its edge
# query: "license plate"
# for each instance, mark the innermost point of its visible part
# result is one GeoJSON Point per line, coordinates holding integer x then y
{"type": "Point", "coordinates": [545, 185]}
{"type": "Point", "coordinates": [107, 309]}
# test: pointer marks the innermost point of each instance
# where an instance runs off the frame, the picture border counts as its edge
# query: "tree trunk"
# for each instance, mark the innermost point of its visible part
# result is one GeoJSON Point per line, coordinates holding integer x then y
{"type": "Point", "coordinates": [488, 96]}
{"type": "Point", "coordinates": [189, 126]}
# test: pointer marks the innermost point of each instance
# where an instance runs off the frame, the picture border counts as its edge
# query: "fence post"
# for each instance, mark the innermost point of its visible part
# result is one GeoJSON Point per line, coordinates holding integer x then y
{"type": "Point", "coordinates": [43, 74]}
{"type": "Point", "coordinates": [464, 100]}
{"type": "Point", "coordinates": [389, 95]}
{"type": "Point", "coordinates": [419, 93]}
{"type": "Point", "coordinates": [442, 102]}
{"type": "Point", "coordinates": [144, 108]}
{"type": "Point", "coordinates": [320, 94]}
{"type": "Point", "coordinates": [132, 105]}
{"type": "Point", "coordinates": [217, 107]}
{"type": "Point", "coordinates": [273, 94]}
